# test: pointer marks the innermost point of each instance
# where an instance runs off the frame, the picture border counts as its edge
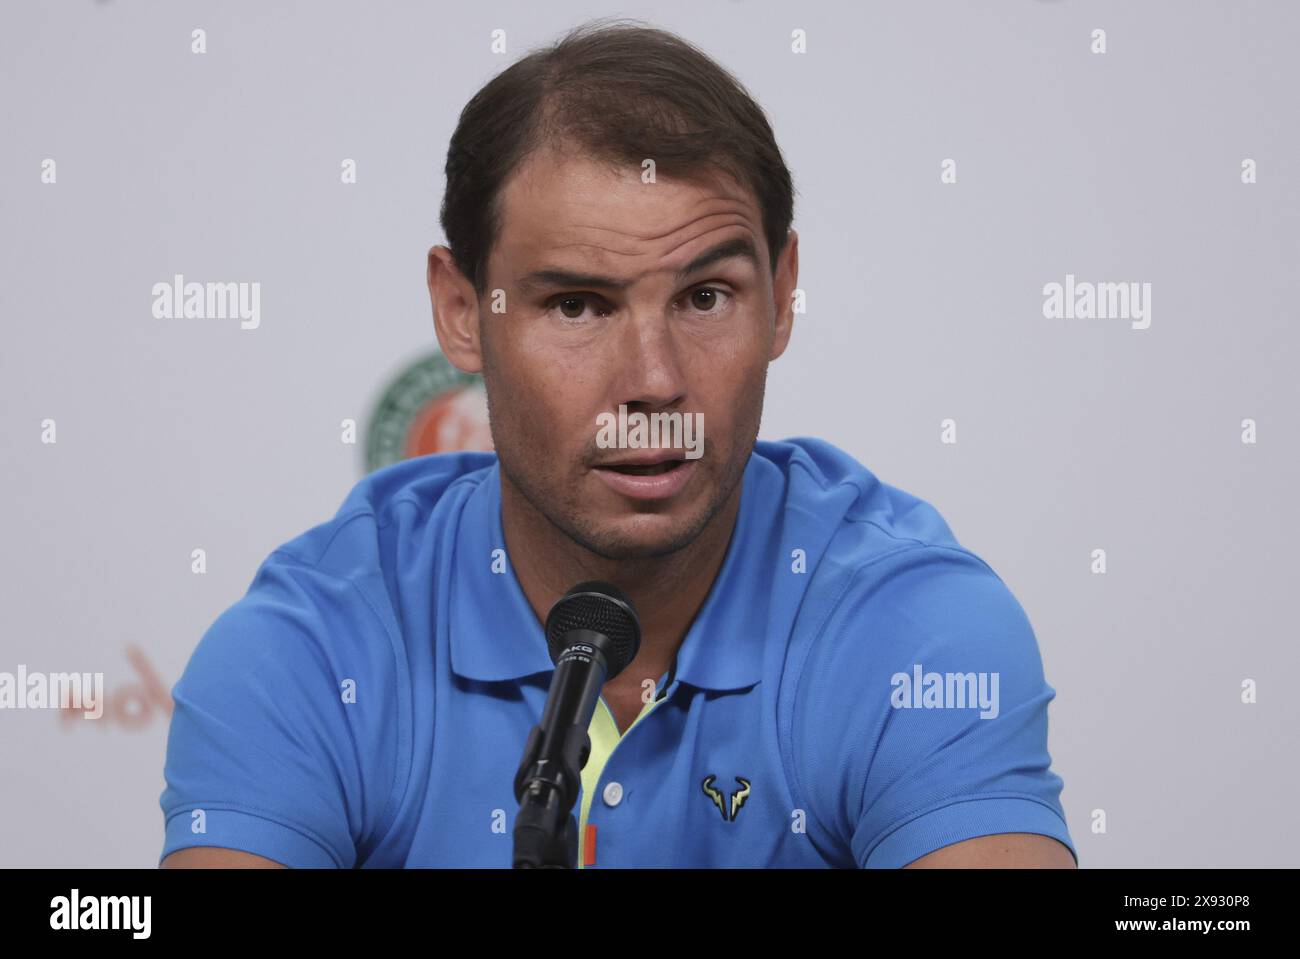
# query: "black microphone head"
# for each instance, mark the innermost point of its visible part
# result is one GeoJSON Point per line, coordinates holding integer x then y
{"type": "Point", "coordinates": [602, 608]}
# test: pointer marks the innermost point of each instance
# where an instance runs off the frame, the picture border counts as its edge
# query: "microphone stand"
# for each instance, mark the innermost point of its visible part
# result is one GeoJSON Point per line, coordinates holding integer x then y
{"type": "Point", "coordinates": [548, 779]}
{"type": "Point", "coordinates": [546, 832]}
{"type": "Point", "coordinates": [592, 633]}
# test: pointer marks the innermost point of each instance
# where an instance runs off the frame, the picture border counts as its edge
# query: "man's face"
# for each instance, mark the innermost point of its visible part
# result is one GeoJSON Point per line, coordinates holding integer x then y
{"type": "Point", "coordinates": [624, 328]}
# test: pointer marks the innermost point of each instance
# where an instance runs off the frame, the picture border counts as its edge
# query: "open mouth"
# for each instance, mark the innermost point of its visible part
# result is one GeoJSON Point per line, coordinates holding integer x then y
{"type": "Point", "coordinates": [653, 470]}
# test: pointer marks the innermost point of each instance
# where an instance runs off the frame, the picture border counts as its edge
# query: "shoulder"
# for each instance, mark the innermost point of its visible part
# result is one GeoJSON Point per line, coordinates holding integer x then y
{"type": "Point", "coordinates": [389, 505]}
{"type": "Point", "coordinates": [868, 515]}
{"type": "Point", "coordinates": [882, 564]}
{"type": "Point", "coordinates": [329, 597]}
{"type": "Point", "coordinates": [888, 565]}
{"type": "Point", "coordinates": [915, 605]}
{"type": "Point", "coordinates": [893, 586]}
{"type": "Point", "coordinates": [292, 719]}
{"type": "Point", "coordinates": [918, 649]}
{"type": "Point", "coordinates": [336, 582]}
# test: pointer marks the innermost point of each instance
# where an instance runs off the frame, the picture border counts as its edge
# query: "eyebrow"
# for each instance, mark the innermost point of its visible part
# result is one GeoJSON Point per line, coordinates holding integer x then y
{"type": "Point", "coordinates": [741, 246]}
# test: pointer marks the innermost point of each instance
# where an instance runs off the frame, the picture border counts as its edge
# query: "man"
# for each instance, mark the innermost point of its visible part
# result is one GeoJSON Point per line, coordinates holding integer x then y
{"type": "Point", "coordinates": [826, 678]}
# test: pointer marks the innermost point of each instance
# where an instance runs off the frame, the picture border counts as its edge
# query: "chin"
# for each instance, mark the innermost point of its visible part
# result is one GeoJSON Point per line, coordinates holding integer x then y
{"type": "Point", "coordinates": [636, 539]}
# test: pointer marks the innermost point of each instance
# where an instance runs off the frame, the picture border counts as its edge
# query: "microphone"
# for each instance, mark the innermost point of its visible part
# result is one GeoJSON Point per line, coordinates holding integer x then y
{"type": "Point", "coordinates": [592, 634]}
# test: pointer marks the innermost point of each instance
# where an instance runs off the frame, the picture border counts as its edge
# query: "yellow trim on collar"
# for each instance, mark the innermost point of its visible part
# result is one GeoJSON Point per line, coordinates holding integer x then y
{"type": "Point", "coordinates": [605, 737]}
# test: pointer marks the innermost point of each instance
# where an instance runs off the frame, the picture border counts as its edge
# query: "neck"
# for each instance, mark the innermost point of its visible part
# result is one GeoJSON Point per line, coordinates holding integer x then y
{"type": "Point", "coordinates": [666, 591]}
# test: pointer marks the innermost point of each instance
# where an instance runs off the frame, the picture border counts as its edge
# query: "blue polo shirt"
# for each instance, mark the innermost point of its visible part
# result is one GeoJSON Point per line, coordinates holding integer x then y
{"type": "Point", "coordinates": [858, 690]}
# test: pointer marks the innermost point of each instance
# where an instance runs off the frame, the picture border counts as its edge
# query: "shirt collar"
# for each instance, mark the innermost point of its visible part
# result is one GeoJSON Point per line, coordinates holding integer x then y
{"type": "Point", "coordinates": [496, 636]}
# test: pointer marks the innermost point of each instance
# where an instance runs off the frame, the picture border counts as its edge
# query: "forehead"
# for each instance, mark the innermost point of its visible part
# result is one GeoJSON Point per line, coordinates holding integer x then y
{"type": "Point", "coordinates": [584, 209]}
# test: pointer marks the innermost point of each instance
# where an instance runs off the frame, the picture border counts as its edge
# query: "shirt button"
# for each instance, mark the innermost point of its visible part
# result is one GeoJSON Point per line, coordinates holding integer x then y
{"type": "Point", "coordinates": [613, 794]}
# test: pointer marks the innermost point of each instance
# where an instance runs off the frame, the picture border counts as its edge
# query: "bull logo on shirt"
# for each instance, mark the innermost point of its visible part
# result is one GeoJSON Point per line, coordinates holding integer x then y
{"type": "Point", "coordinates": [737, 798]}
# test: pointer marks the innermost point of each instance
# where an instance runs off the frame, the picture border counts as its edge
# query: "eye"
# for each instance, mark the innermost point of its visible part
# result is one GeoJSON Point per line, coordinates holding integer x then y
{"type": "Point", "coordinates": [572, 306]}
{"type": "Point", "coordinates": [713, 302]}
{"type": "Point", "coordinates": [707, 300]}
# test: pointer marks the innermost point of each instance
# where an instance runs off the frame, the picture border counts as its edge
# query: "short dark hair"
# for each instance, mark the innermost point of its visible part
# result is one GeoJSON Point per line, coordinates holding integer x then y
{"type": "Point", "coordinates": [620, 92]}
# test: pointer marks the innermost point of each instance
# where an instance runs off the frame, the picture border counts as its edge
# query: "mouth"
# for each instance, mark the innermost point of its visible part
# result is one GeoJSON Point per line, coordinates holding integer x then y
{"type": "Point", "coordinates": [648, 463]}
{"type": "Point", "coordinates": [650, 476]}
{"type": "Point", "coordinates": [643, 469]}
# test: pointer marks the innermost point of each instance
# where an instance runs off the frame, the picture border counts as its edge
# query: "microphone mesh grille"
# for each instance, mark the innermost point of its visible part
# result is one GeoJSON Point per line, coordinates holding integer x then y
{"type": "Point", "coordinates": [603, 608]}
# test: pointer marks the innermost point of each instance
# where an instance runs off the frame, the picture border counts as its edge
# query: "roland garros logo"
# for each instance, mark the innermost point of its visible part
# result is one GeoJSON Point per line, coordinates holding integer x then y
{"type": "Point", "coordinates": [429, 407]}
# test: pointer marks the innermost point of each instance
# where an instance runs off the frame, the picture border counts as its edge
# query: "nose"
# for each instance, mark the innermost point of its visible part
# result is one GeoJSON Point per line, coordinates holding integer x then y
{"type": "Point", "coordinates": [651, 373]}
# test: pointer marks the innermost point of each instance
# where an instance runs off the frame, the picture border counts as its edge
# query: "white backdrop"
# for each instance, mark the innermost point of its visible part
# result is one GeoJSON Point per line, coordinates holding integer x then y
{"type": "Point", "coordinates": [130, 158]}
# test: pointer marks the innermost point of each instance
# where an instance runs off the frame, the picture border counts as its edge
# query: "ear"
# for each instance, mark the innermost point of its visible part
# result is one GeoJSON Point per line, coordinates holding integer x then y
{"type": "Point", "coordinates": [455, 312]}
{"type": "Point", "coordinates": [783, 287]}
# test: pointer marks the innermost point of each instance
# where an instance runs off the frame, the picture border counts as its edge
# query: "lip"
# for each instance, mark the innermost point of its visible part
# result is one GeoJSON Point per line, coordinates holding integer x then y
{"type": "Point", "coordinates": [648, 458]}
{"type": "Point", "coordinates": [659, 487]}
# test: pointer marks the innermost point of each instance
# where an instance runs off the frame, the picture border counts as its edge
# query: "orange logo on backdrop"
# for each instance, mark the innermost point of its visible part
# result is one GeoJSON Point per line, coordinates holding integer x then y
{"type": "Point", "coordinates": [453, 421]}
{"type": "Point", "coordinates": [429, 407]}
{"type": "Point", "coordinates": [130, 705]}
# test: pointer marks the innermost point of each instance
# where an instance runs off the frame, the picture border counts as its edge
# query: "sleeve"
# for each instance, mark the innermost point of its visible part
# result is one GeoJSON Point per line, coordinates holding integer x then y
{"type": "Point", "coordinates": [933, 674]}
{"type": "Point", "coordinates": [281, 743]}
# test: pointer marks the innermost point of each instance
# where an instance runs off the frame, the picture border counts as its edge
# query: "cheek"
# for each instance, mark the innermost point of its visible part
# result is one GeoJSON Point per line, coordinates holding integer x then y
{"type": "Point", "coordinates": [728, 392]}
{"type": "Point", "coordinates": [540, 404]}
